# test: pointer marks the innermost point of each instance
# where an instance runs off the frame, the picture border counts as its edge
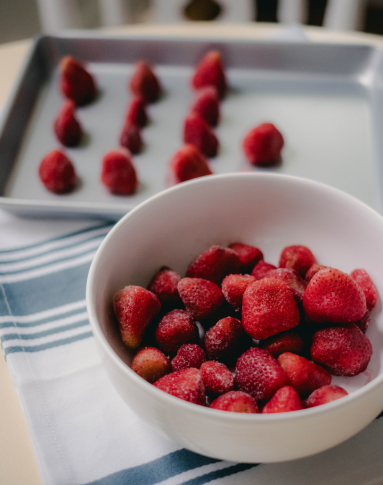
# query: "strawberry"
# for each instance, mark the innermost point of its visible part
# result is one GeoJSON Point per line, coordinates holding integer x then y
{"type": "Point", "coordinates": [248, 256]}
{"type": "Point", "coordinates": [76, 82]}
{"type": "Point", "coordinates": [286, 399]}
{"type": "Point", "coordinates": [188, 355]}
{"type": "Point", "coordinates": [206, 105]}
{"type": "Point", "coordinates": [313, 270]}
{"type": "Point", "coordinates": [144, 83]}
{"type": "Point", "coordinates": [364, 281]}
{"type": "Point", "coordinates": [150, 364]}
{"type": "Point", "coordinates": [234, 286]}
{"type": "Point", "coordinates": [262, 145]}
{"type": "Point", "coordinates": [268, 307]}
{"type": "Point", "coordinates": [198, 133]}
{"type": "Point", "coordinates": [364, 322]}
{"type": "Point", "coordinates": [175, 329]}
{"type": "Point", "coordinates": [292, 280]}
{"type": "Point", "coordinates": [283, 342]}
{"type": "Point", "coordinates": [164, 285]}
{"type": "Point", "coordinates": [137, 112]}
{"type": "Point", "coordinates": [130, 137]}
{"type": "Point", "coordinates": [214, 264]}
{"type": "Point", "coordinates": [57, 172]}
{"type": "Point", "coordinates": [261, 269]}
{"type": "Point", "coordinates": [333, 296]}
{"type": "Point", "coordinates": [236, 402]}
{"type": "Point", "coordinates": [343, 351]}
{"type": "Point", "coordinates": [135, 308]}
{"type": "Point", "coordinates": [185, 384]}
{"type": "Point", "coordinates": [188, 163]}
{"type": "Point", "coordinates": [304, 375]}
{"type": "Point", "coordinates": [67, 128]}
{"type": "Point", "coordinates": [298, 258]}
{"type": "Point", "coordinates": [209, 72]}
{"type": "Point", "coordinates": [325, 394]}
{"type": "Point", "coordinates": [118, 173]}
{"type": "Point", "coordinates": [217, 378]}
{"type": "Point", "coordinates": [259, 374]}
{"type": "Point", "coordinates": [200, 297]}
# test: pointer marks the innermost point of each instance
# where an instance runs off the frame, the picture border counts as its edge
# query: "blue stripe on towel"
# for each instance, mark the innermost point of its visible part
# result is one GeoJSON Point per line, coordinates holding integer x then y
{"type": "Point", "coordinates": [44, 333]}
{"type": "Point", "coordinates": [222, 473]}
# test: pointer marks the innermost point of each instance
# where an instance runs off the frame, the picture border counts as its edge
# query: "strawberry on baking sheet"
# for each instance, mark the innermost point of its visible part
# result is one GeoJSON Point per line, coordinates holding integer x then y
{"type": "Point", "coordinates": [66, 126]}
{"type": "Point", "coordinates": [325, 394]}
{"type": "Point", "coordinates": [76, 82]}
{"type": "Point", "coordinates": [214, 264]}
{"type": "Point", "coordinates": [206, 105]}
{"type": "Point", "coordinates": [185, 384]}
{"type": "Point", "coordinates": [118, 173]}
{"type": "Point", "coordinates": [263, 145]}
{"type": "Point", "coordinates": [130, 137]}
{"type": "Point", "coordinates": [210, 72]}
{"type": "Point", "coordinates": [201, 297]}
{"type": "Point", "coordinates": [57, 172]}
{"type": "Point", "coordinates": [198, 133]}
{"type": "Point", "coordinates": [186, 164]}
{"type": "Point", "coordinates": [364, 281]}
{"type": "Point", "coordinates": [175, 329]}
{"type": "Point", "coordinates": [150, 364]}
{"type": "Point", "coordinates": [137, 112]}
{"type": "Point", "coordinates": [298, 258]}
{"type": "Point", "coordinates": [144, 83]}
{"type": "Point", "coordinates": [285, 400]}
{"type": "Point", "coordinates": [235, 402]}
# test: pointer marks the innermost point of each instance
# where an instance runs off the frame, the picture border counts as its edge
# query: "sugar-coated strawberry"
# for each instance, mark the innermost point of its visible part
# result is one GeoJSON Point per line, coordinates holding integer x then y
{"type": "Point", "coordinates": [217, 378]}
{"type": "Point", "coordinates": [299, 258]}
{"type": "Point", "coordinates": [325, 394]}
{"type": "Point", "coordinates": [304, 375]}
{"type": "Point", "coordinates": [233, 288]}
{"type": "Point", "coordinates": [144, 83]}
{"type": "Point", "coordinates": [198, 133]}
{"type": "Point", "coordinates": [262, 145]}
{"type": "Point", "coordinates": [261, 269]}
{"type": "Point", "coordinates": [137, 112]}
{"type": "Point", "coordinates": [185, 384]}
{"type": "Point", "coordinates": [313, 270]}
{"type": "Point", "coordinates": [343, 351]}
{"type": "Point", "coordinates": [268, 307]}
{"type": "Point", "coordinates": [214, 264]}
{"type": "Point", "coordinates": [130, 137]}
{"type": "Point", "coordinates": [188, 355]}
{"type": "Point", "coordinates": [259, 374]}
{"type": "Point", "coordinates": [226, 341]}
{"type": "Point", "coordinates": [206, 105]}
{"type": "Point", "coordinates": [135, 307]}
{"type": "Point", "coordinates": [200, 297]}
{"type": "Point", "coordinates": [118, 173]}
{"type": "Point", "coordinates": [175, 329]}
{"type": "Point", "coordinates": [364, 281]}
{"type": "Point", "coordinates": [333, 296]}
{"type": "Point", "coordinates": [248, 256]}
{"type": "Point", "coordinates": [364, 322]}
{"type": "Point", "coordinates": [210, 72]}
{"type": "Point", "coordinates": [164, 285]}
{"type": "Point", "coordinates": [76, 82]}
{"type": "Point", "coordinates": [283, 342]}
{"type": "Point", "coordinates": [57, 172]}
{"type": "Point", "coordinates": [286, 399]}
{"type": "Point", "coordinates": [236, 402]}
{"type": "Point", "coordinates": [292, 279]}
{"type": "Point", "coordinates": [186, 164]}
{"type": "Point", "coordinates": [67, 127]}
{"type": "Point", "coordinates": [150, 364]}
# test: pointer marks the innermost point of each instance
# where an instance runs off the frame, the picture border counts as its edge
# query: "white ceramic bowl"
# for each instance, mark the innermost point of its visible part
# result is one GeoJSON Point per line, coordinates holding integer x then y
{"type": "Point", "coordinates": [271, 212]}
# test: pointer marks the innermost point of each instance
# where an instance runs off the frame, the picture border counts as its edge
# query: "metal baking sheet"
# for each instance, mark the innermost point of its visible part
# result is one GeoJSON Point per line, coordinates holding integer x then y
{"type": "Point", "coordinates": [326, 99]}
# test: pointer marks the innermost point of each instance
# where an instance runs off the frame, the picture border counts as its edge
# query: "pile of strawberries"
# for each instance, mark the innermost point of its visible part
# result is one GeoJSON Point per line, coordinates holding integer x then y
{"type": "Point", "coordinates": [238, 334]}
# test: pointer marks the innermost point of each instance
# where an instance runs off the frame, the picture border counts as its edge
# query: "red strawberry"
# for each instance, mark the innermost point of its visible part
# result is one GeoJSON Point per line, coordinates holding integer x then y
{"type": "Point", "coordinates": [303, 374]}
{"type": "Point", "coordinates": [313, 270]}
{"type": "Point", "coordinates": [150, 364]}
{"type": "Point", "coordinates": [217, 378]}
{"type": "Point", "coordinates": [236, 402]}
{"type": "Point", "coordinates": [188, 163]}
{"type": "Point", "coordinates": [76, 82]}
{"type": "Point", "coordinates": [333, 296]}
{"type": "Point", "coordinates": [364, 322]}
{"type": "Point", "coordinates": [325, 394]}
{"type": "Point", "coordinates": [175, 329]}
{"type": "Point", "coordinates": [283, 342]}
{"type": "Point", "coordinates": [198, 133]}
{"type": "Point", "coordinates": [118, 173]}
{"type": "Point", "coordinates": [206, 105]}
{"type": "Point", "coordinates": [67, 128]}
{"type": "Point", "coordinates": [364, 281]}
{"type": "Point", "coordinates": [286, 399]}
{"type": "Point", "coordinates": [343, 351]}
{"type": "Point", "coordinates": [185, 384]}
{"type": "Point", "coordinates": [214, 264]}
{"type": "Point", "coordinates": [130, 137]}
{"type": "Point", "coordinates": [188, 355]}
{"type": "Point", "coordinates": [248, 256]}
{"type": "Point", "coordinates": [263, 145]}
{"type": "Point", "coordinates": [57, 172]}
{"type": "Point", "coordinates": [234, 286]}
{"type": "Point", "coordinates": [259, 374]}
{"type": "Point", "coordinates": [292, 280]}
{"type": "Point", "coordinates": [268, 307]}
{"type": "Point", "coordinates": [299, 258]}
{"type": "Point", "coordinates": [261, 269]}
{"type": "Point", "coordinates": [209, 72]}
{"type": "Point", "coordinates": [164, 285]}
{"type": "Point", "coordinates": [144, 83]}
{"type": "Point", "coordinates": [200, 297]}
{"type": "Point", "coordinates": [135, 308]}
{"type": "Point", "coordinates": [137, 112]}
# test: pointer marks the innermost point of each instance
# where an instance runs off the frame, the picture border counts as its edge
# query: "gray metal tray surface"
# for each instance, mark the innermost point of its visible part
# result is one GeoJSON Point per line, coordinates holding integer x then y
{"type": "Point", "coordinates": [327, 100]}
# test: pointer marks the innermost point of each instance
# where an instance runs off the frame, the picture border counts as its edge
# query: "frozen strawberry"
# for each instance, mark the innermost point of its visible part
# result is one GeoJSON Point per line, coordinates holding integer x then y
{"type": "Point", "coordinates": [206, 105]}
{"type": "Point", "coordinates": [286, 399]}
{"type": "Point", "coordinates": [304, 375]}
{"type": "Point", "coordinates": [364, 281]}
{"type": "Point", "coordinates": [175, 329]}
{"type": "Point", "coordinates": [283, 342]}
{"type": "Point", "coordinates": [333, 296]}
{"type": "Point", "coordinates": [150, 364]}
{"type": "Point", "coordinates": [299, 258]}
{"type": "Point", "coordinates": [343, 351]}
{"type": "Point", "coordinates": [226, 341]}
{"type": "Point", "coordinates": [236, 402]}
{"type": "Point", "coordinates": [76, 82]}
{"type": "Point", "coordinates": [118, 173]}
{"type": "Point", "coordinates": [67, 128]}
{"type": "Point", "coordinates": [188, 355]}
{"type": "Point", "coordinates": [57, 172]}
{"type": "Point", "coordinates": [210, 72]}
{"type": "Point", "coordinates": [234, 286]}
{"type": "Point", "coordinates": [214, 264]}
{"type": "Point", "coordinates": [130, 137]}
{"type": "Point", "coordinates": [248, 256]}
{"type": "Point", "coordinates": [188, 163]}
{"type": "Point", "coordinates": [144, 83]}
{"type": "Point", "coordinates": [217, 378]}
{"type": "Point", "coordinates": [259, 374]}
{"type": "Point", "coordinates": [137, 112]}
{"type": "Point", "coordinates": [261, 269]}
{"type": "Point", "coordinates": [262, 145]}
{"type": "Point", "coordinates": [200, 297]}
{"type": "Point", "coordinates": [164, 285]}
{"type": "Point", "coordinates": [364, 322]}
{"type": "Point", "coordinates": [268, 307]}
{"type": "Point", "coordinates": [225, 310]}
{"type": "Point", "coordinates": [198, 133]}
{"type": "Point", "coordinates": [325, 394]}
{"type": "Point", "coordinates": [294, 282]}
{"type": "Point", "coordinates": [135, 307]}
{"type": "Point", "coordinates": [313, 270]}
{"type": "Point", "coordinates": [185, 384]}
